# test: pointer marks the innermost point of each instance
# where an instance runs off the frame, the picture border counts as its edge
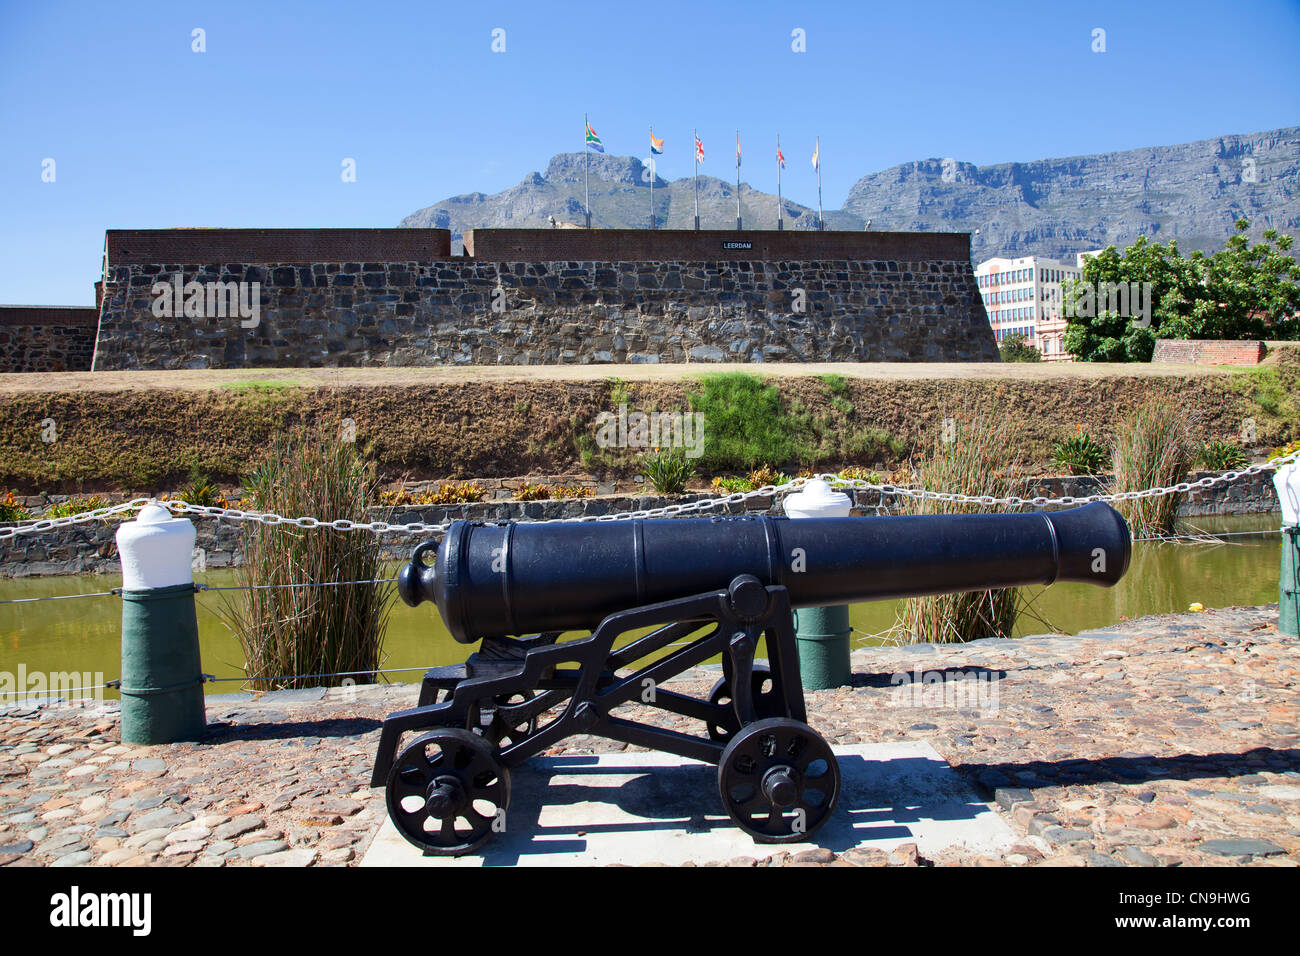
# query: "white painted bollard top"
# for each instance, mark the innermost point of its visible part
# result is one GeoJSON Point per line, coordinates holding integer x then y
{"type": "Point", "coordinates": [1287, 480]}
{"type": "Point", "coordinates": [156, 550]}
{"type": "Point", "coordinates": [817, 500]}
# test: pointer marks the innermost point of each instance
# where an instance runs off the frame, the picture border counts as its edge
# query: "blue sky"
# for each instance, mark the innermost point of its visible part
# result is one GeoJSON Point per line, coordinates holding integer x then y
{"type": "Point", "coordinates": [146, 133]}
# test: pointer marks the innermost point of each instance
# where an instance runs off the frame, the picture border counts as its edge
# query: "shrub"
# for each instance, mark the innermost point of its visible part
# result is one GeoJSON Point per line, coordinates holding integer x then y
{"type": "Point", "coordinates": [11, 510]}
{"type": "Point", "coordinates": [1222, 455]}
{"type": "Point", "coordinates": [292, 628]}
{"type": "Point", "coordinates": [758, 478]}
{"type": "Point", "coordinates": [1080, 454]}
{"type": "Point", "coordinates": [74, 506]}
{"type": "Point", "coordinates": [202, 491]}
{"type": "Point", "coordinates": [668, 471]}
{"type": "Point", "coordinates": [747, 424]}
{"type": "Point", "coordinates": [1153, 449]}
{"type": "Point", "coordinates": [528, 492]}
{"type": "Point", "coordinates": [1017, 348]}
{"type": "Point", "coordinates": [1285, 450]}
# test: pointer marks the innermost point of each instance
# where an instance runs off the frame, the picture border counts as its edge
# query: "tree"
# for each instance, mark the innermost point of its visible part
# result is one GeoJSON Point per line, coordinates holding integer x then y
{"type": "Point", "coordinates": [1016, 348]}
{"type": "Point", "coordinates": [1124, 303]}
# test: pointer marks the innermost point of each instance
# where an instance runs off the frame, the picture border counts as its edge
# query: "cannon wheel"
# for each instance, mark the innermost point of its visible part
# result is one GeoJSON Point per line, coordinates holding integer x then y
{"type": "Point", "coordinates": [779, 780]}
{"type": "Point", "coordinates": [503, 733]}
{"type": "Point", "coordinates": [446, 791]}
{"type": "Point", "coordinates": [766, 702]}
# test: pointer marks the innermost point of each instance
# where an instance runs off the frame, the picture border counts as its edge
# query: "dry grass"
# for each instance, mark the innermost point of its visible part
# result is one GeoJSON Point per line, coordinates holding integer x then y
{"type": "Point", "coordinates": [981, 459]}
{"type": "Point", "coordinates": [288, 629]}
{"type": "Point", "coordinates": [1153, 449]}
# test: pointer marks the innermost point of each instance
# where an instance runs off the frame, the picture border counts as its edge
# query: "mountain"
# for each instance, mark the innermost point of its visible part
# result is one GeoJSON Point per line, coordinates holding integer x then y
{"type": "Point", "coordinates": [1193, 192]}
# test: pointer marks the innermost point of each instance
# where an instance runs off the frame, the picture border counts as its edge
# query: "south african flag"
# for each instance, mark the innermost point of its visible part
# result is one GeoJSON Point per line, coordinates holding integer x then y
{"type": "Point", "coordinates": [593, 141]}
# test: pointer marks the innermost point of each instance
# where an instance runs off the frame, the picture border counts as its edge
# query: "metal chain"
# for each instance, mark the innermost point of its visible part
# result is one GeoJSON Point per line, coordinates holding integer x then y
{"type": "Point", "coordinates": [703, 504]}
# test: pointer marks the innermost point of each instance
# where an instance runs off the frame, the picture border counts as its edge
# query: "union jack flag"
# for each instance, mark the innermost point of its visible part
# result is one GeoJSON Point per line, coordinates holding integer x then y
{"type": "Point", "coordinates": [699, 150]}
{"type": "Point", "coordinates": [780, 157]}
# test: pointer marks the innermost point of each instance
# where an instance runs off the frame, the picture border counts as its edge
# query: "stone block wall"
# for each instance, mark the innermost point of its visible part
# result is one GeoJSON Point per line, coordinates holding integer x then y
{"type": "Point", "coordinates": [46, 338]}
{"type": "Point", "coordinates": [913, 298]}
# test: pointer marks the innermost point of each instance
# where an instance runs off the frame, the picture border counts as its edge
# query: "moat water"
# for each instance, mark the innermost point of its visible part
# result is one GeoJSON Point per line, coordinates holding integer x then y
{"type": "Point", "coordinates": [82, 635]}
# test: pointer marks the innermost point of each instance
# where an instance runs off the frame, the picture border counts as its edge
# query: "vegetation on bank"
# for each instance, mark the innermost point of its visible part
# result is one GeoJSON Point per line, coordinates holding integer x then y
{"type": "Point", "coordinates": [977, 457]}
{"type": "Point", "coordinates": [288, 628]}
{"type": "Point", "coordinates": [1243, 291]}
{"type": "Point", "coordinates": [154, 441]}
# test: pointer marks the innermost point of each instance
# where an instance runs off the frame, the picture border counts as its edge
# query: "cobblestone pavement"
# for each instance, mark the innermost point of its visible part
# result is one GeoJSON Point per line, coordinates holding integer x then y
{"type": "Point", "coordinates": [1164, 741]}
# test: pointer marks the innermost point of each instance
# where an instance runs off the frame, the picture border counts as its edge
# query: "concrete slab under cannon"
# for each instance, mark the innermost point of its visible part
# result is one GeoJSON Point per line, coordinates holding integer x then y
{"type": "Point", "coordinates": [638, 808]}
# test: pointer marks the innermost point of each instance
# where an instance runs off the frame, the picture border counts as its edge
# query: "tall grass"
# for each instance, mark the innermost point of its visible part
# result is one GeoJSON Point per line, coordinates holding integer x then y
{"type": "Point", "coordinates": [980, 460]}
{"type": "Point", "coordinates": [1153, 449]}
{"type": "Point", "coordinates": [299, 630]}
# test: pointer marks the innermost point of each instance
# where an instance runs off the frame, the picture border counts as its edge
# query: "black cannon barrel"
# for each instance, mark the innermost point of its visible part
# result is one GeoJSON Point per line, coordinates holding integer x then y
{"type": "Point", "coordinates": [517, 578]}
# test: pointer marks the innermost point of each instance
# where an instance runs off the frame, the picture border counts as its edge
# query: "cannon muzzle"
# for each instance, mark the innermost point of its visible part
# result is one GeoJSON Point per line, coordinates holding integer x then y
{"type": "Point", "coordinates": [492, 580]}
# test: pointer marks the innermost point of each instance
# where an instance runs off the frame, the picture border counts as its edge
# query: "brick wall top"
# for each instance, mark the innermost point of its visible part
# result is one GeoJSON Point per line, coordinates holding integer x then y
{"type": "Point", "coordinates": [644, 245]}
{"type": "Point", "coordinates": [297, 246]}
{"type": "Point", "coordinates": [48, 315]}
{"type": "Point", "coordinates": [1208, 352]}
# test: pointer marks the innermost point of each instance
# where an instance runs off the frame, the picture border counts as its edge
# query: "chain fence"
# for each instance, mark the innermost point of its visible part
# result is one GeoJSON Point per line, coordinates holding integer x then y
{"type": "Point", "coordinates": [180, 507]}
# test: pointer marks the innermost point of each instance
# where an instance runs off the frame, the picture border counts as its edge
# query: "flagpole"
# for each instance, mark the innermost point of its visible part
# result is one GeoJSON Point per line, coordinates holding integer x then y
{"type": "Point", "coordinates": [695, 153]}
{"type": "Point", "coordinates": [586, 162]}
{"type": "Point", "coordinates": [779, 225]}
{"type": "Point", "coordinates": [652, 176]}
{"type": "Point", "coordinates": [821, 222]}
{"type": "Point", "coordinates": [738, 225]}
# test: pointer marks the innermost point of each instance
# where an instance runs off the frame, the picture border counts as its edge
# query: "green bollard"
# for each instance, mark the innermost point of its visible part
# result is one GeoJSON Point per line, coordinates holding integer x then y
{"type": "Point", "coordinates": [822, 636]}
{"type": "Point", "coordinates": [1288, 598]}
{"type": "Point", "coordinates": [1287, 481]}
{"type": "Point", "coordinates": [821, 633]}
{"type": "Point", "coordinates": [162, 678]}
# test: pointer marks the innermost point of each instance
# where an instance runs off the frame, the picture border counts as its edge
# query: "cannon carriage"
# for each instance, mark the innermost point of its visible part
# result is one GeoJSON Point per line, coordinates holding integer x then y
{"type": "Point", "coordinates": [652, 599]}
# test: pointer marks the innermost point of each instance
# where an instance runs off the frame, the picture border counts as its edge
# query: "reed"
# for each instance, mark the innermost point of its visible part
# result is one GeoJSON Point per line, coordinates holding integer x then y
{"type": "Point", "coordinates": [1153, 449]}
{"type": "Point", "coordinates": [289, 628]}
{"type": "Point", "coordinates": [979, 460]}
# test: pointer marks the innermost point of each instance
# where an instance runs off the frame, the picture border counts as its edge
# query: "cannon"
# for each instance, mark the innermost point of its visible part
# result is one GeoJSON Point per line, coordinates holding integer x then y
{"type": "Point", "coordinates": [576, 621]}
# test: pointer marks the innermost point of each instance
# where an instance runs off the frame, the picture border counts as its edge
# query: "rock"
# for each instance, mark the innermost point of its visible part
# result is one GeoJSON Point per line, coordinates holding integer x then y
{"type": "Point", "coordinates": [903, 855]}
{"type": "Point", "coordinates": [177, 849]}
{"type": "Point", "coordinates": [18, 846]}
{"type": "Point", "coordinates": [166, 818]}
{"type": "Point", "coordinates": [299, 857]}
{"type": "Point", "coordinates": [865, 856]}
{"type": "Point", "coordinates": [1008, 797]}
{"type": "Point", "coordinates": [238, 826]}
{"type": "Point", "coordinates": [1138, 858]}
{"type": "Point", "coordinates": [1240, 846]}
{"type": "Point", "coordinates": [260, 848]}
{"type": "Point", "coordinates": [345, 854]}
{"type": "Point", "coordinates": [80, 858]}
{"type": "Point", "coordinates": [817, 855]}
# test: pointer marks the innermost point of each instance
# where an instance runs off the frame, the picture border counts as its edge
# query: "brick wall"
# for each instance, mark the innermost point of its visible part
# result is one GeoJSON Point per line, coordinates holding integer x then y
{"type": "Point", "coordinates": [124, 247]}
{"type": "Point", "coordinates": [644, 245]}
{"type": "Point", "coordinates": [1207, 352]}
{"type": "Point", "coordinates": [47, 338]}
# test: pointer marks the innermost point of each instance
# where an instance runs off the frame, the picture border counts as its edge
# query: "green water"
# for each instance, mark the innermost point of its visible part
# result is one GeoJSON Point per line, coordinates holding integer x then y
{"type": "Point", "coordinates": [82, 634]}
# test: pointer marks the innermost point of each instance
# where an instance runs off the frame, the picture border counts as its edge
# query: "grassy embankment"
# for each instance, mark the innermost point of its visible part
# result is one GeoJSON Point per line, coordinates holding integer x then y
{"type": "Point", "coordinates": [151, 439]}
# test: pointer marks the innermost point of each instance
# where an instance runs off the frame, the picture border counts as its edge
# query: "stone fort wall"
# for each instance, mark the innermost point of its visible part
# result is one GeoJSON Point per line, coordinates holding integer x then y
{"type": "Point", "coordinates": [539, 296]}
{"type": "Point", "coordinates": [47, 338]}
